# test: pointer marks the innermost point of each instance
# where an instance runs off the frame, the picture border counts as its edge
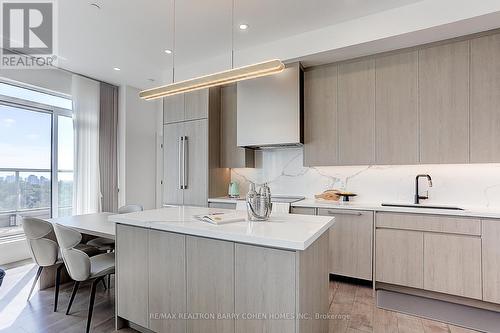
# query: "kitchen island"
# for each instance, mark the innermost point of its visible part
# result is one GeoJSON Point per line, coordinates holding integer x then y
{"type": "Point", "coordinates": [177, 274]}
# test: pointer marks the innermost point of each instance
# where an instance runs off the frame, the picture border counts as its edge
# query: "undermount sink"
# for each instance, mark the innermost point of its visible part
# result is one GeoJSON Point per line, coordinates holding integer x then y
{"type": "Point", "coordinates": [421, 206]}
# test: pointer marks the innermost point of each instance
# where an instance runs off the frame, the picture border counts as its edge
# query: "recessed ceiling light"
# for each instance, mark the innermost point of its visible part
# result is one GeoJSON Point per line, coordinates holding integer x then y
{"type": "Point", "coordinates": [243, 26]}
{"type": "Point", "coordinates": [117, 68]}
{"type": "Point", "coordinates": [167, 51]}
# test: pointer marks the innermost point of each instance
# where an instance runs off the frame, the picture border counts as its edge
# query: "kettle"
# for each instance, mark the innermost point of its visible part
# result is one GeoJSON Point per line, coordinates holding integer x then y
{"type": "Point", "coordinates": [233, 190]}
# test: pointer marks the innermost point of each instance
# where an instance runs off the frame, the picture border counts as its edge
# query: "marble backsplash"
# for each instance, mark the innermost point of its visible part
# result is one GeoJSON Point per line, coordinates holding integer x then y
{"type": "Point", "coordinates": [476, 185]}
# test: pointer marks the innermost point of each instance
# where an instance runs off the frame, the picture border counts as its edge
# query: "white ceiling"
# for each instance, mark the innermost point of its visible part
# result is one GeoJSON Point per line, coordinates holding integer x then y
{"type": "Point", "coordinates": [133, 35]}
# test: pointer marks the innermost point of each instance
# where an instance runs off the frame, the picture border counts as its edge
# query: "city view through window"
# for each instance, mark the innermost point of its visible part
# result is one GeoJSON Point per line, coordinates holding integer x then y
{"type": "Point", "coordinates": [32, 181]}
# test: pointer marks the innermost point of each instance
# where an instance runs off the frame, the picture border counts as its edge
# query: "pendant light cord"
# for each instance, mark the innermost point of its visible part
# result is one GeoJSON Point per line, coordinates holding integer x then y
{"type": "Point", "coordinates": [173, 49]}
{"type": "Point", "coordinates": [232, 35]}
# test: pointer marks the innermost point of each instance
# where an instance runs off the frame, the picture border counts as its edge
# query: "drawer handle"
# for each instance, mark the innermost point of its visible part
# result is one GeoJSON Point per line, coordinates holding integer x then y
{"type": "Point", "coordinates": [332, 212]}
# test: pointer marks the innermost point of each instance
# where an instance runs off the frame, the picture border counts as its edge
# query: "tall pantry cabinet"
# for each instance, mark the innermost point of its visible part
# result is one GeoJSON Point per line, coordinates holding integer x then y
{"type": "Point", "coordinates": [191, 153]}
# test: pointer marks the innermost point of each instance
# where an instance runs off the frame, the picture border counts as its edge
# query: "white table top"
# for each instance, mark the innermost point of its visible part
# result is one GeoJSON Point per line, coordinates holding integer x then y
{"type": "Point", "coordinates": [287, 231]}
{"type": "Point", "coordinates": [92, 224]}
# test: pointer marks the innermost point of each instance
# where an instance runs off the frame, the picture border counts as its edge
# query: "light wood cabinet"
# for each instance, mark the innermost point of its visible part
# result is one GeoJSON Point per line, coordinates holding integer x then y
{"type": "Point", "coordinates": [196, 104]}
{"type": "Point", "coordinates": [356, 112]}
{"type": "Point", "coordinates": [320, 116]}
{"type": "Point", "coordinates": [399, 257]}
{"type": "Point", "coordinates": [444, 103]}
{"type": "Point", "coordinates": [132, 274]}
{"type": "Point", "coordinates": [210, 283]}
{"type": "Point", "coordinates": [191, 152]}
{"type": "Point", "coordinates": [303, 210]}
{"type": "Point", "coordinates": [196, 162]}
{"type": "Point", "coordinates": [491, 260]}
{"type": "Point", "coordinates": [452, 264]}
{"type": "Point", "coordinates": [351, 243]}
{"type": "Point", "coordinates": [232, 156]}
{"type": "Point", "coordinates": [172, 175]}
{"type": "Point", "coordinates": [396, 105]}
{"type": "Point", "coordinates": [485, 99]}
{"type": "Point", "coordinates": [222, 205]}
{"type": "Point", "coordinates": [173, 109]}
{"type": "Point", "coordinates": [430, 223]}
{"type": "Point", "coordinates": [188, 106]}
{"type": "Point", "coordinates": [167, 296]}
{"type": "Point", "coordinates": [258, 271]}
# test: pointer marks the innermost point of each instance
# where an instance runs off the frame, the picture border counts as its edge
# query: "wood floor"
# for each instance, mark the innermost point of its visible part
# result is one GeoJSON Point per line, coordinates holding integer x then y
{"type": "Point", "coordinates": [351, 306]}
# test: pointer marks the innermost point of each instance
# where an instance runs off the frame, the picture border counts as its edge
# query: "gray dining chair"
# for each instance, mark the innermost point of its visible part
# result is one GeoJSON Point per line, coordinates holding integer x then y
{"type": "Point", "coordinates": [106, 244]}
{"type": "Point", "coordinates": [81, 267]}
{"type": "Point", "coordinates": [45, 250]}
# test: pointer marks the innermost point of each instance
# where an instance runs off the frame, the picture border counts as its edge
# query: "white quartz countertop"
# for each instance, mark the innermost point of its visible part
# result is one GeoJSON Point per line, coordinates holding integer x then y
{"type": "Point", "coordinates": [286, 231]}
{"type": "Point", "coordinates": [225, 199]}
{"type": "Point", "coordinates": [471, 211]}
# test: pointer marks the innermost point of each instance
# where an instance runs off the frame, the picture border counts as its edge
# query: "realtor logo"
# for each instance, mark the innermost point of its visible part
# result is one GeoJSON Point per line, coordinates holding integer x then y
{"type": "Point", "coordinates": [28, 34]}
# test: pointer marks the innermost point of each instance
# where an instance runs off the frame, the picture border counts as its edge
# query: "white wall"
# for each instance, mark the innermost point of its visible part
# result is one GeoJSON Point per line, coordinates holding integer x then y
{"type": "Point", "coordinates": [467, 185]}
{"type": "Point", "coordinates": [137, 150]}
{"type": "Point", "coordinates": [52, 79]}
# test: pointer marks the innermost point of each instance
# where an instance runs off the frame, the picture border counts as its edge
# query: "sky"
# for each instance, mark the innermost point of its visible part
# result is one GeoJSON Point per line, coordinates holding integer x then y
{"type": "Point", "coordinates": [25, 139]}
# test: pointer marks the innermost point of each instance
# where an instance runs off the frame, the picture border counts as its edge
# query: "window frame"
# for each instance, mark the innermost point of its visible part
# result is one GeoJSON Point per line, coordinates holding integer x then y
{"type": "Point", "coordinates": [55, 112]}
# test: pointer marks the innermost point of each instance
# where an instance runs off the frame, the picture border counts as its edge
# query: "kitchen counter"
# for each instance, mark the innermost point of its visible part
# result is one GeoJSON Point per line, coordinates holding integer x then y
{"type": "Point", "coordinates": [256, 276]}
{"type": "Point", "coordinates": [287, 231]}
{"type": "Point", "coordinates": [480, 212]}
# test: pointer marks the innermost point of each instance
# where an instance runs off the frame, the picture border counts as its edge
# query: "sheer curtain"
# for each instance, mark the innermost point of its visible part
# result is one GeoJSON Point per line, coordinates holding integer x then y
{"type": "Point", "coordinates": [86, 188]}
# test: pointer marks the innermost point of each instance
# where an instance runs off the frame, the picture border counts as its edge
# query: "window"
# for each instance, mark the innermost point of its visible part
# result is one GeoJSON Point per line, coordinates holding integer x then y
{"type": "Point", "coordinates": [36, 149]}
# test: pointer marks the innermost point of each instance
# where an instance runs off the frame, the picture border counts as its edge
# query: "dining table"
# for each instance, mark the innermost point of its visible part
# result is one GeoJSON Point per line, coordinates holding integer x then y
{"type": "Point", "coordinates": [90, 226]}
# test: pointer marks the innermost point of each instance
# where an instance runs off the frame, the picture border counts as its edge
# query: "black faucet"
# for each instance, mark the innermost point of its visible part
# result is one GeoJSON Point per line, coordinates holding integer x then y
{"type": "Point", "coordinates": [418, 196]}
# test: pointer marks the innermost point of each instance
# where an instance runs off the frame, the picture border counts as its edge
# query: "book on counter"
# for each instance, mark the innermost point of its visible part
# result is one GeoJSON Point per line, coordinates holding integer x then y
{"type": "Point", "coordinates": [222, 218]}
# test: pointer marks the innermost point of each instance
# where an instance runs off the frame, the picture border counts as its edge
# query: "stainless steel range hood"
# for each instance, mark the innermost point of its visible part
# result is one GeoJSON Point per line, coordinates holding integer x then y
{"type": "Point", "coordinates": [270, 110]}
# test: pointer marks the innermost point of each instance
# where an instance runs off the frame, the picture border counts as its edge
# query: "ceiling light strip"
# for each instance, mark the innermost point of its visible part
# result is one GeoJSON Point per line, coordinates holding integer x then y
{"type": "Point", "coordinates": [216, 79]}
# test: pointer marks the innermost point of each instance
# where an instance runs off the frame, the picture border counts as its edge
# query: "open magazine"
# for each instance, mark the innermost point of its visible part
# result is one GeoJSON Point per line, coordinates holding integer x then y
{"type": "Point", "coordinates": [222, 218]}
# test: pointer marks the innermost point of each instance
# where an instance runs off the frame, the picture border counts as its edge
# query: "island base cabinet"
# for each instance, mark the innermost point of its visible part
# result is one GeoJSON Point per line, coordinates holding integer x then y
{"type": "Point", "coordinates": [264, 285]}
{"type": "Point", "coordinates": [210, 284]}
{"type": "Point", "coordinates": [178, 283]}
{"type": "Point", "coordinates": [132, 274]}
{"type": "Point", "coordinates": [167, 281]}
{"type": "Point", "coordinates": [281, 291]}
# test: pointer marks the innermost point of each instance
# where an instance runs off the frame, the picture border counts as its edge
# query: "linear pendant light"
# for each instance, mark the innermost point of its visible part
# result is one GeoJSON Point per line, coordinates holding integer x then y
{"type": "Point", "coordinates": [216, 79]}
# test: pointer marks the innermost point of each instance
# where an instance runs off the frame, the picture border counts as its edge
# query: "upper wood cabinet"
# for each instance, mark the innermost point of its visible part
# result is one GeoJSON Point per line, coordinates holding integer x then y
{"type": "Point", "coordinates": [188, 106]}
{"type": "Point", "coordinates": [356, 112]}
{"type": "Point", "coordinates": [485, 99]}
{"type": "Point", "coordinates": [444, 103]}
{"type": "Point", "coordinates": [396, 105]}
{"type": "Point", "coordinates": [173, 109]}
{"type": "Point", "coordinates": [232, 156]}
{"type": "Point", "coordinates": [196, 104]}
{"type": "Point", "coordinates": [320, 116]}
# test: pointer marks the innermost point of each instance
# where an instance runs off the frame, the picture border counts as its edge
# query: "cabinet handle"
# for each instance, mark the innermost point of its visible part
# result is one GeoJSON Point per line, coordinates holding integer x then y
{"type": "Point", "coordinates": [181, 166]}
{"type": "Point", "coordinates": [332, 212]}
{"type": "Point", "coordinates": [186, 147]}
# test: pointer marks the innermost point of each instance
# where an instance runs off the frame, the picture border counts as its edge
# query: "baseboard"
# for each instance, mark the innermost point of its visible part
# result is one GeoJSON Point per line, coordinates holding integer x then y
{"type": "Point", "coordinates": [451, 313]}
{"type": "Point", "coordinates": [13, 249]}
